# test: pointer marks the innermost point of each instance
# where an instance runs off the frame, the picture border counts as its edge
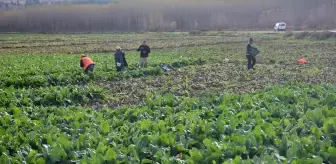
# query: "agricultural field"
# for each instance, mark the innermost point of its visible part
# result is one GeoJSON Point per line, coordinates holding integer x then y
{"type": "Point", "coordinates": [210, 110]}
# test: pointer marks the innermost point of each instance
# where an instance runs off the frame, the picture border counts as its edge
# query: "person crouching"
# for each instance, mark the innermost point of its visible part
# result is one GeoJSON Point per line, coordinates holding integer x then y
{"type": "Point", "coordinates": [87, 64]}
{"type": "Point", "coordinates": [118, 57]}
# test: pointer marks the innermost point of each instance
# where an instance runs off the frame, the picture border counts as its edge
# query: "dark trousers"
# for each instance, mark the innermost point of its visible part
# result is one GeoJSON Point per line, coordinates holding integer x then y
{"type": "Point", "coordinates": [251, 61]}
{"type": "Point", "coordinates": [125, 62]}
{"type": "Point", "coordinates": [90, 68]}
{"type": "Point", "coordinates": [119, 68]}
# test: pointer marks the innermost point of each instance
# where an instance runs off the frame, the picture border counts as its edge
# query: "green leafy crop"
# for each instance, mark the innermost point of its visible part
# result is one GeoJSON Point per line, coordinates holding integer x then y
{"type": "Point", "coordinates": [227, 132]}
{"type": "Point", "coordinates": [210, 110]}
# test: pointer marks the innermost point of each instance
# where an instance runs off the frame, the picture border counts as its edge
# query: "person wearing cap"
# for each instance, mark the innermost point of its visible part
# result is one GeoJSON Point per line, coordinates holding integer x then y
{"type": "Point", "coordinates": [86, 63]}
{"type": "Point", "coordinates": [251, 61]}
{"type": "Point", "coordinates": [118, 57]}
{"type": "Point", "coordinates": [144, 51]}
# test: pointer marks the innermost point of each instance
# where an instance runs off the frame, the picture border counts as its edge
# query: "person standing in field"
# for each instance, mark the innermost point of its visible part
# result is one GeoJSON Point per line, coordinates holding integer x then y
{"type": "Point", "coordinates": [118, 57]}
{"type": "Point", "coordinates": [251, 61]}
{"type": "Point", "coordinates": [144, 51]}
{"type": "Point", "coordinates": [87, 64]}
{"type": "Point", "coordinates": [124, 59]}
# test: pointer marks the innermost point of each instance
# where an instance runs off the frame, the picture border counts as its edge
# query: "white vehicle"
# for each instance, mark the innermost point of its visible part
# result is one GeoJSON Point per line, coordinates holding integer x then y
{"type": "Point", "coordinates": [281, 26]}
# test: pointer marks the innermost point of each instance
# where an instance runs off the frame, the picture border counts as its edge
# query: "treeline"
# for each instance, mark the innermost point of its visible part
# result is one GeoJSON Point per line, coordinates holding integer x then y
{"type": "Point", "coordinates": [142, 15]}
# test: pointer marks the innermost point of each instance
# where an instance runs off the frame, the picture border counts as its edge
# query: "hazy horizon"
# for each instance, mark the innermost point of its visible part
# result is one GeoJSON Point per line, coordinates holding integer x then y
{"type": "Point", "coordinates": [172, 15]}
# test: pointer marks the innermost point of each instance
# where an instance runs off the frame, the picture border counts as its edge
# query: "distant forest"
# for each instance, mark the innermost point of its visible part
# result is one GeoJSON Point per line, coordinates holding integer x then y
{"type": "Point", "coordinates": [170, 15]}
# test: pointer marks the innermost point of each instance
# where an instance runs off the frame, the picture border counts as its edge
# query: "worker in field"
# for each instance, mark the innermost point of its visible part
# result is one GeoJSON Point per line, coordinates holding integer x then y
{"type": "Point", "coordinates": [144, 52]}
{"type": "Point", "coordinates": [119, 59]}
{"type": "Point", "coordinates": [302, 60]}
{"type": "Point", "coordinates": [86, 63]}
{"type": "Point", "coordinates": [251, 61]}
{"type": "Point", "coordinates": [124, 59]}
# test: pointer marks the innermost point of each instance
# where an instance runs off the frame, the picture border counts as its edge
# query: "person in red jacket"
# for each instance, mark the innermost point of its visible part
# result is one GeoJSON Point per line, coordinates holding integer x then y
{"type": "Point", "coordinates": [302, 60]}
{"type": "Point", "coordinates": [87, 63]}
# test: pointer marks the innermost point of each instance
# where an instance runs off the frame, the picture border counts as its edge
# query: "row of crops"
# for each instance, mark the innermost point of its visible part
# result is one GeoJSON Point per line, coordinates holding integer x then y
{"type": "Point", "coordinates": [93, 44]}
{"type": "Point", "coordinates": [35, 70]}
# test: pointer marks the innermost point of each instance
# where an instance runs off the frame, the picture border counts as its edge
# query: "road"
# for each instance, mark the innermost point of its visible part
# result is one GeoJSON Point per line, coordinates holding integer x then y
{"type": "Point", "coordinates": [334, 31]}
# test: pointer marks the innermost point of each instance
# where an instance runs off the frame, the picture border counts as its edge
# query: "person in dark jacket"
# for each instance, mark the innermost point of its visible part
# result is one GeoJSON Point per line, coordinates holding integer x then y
{"type": "Point", "coordinates": [144, 51]}
{"type": "Point", "coordinates": [251, 61]}
{"type": "Point", "coordinates": [118, 57]}
{"type": "Point", "coordinates": [125, 62]}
